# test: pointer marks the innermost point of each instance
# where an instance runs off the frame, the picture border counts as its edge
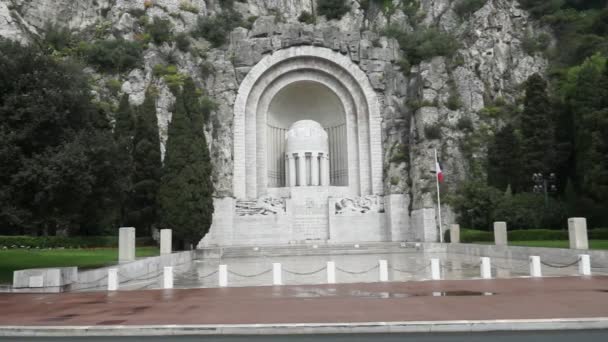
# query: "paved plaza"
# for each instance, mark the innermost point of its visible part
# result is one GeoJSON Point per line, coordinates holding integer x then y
{"type": "Point", "coordinates": [498, 299]}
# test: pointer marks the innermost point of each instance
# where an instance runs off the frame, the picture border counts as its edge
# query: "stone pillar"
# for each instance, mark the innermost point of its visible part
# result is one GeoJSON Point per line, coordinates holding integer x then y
{"type": "Point", "coordinates": [455, 233]}
{"type": "Point", "coordinates": [314, 169]}
{"type": "Point", "coordinates": [577, 233]}
{"type": "Point", "coordinates": [165, 241]}
{"type": "Point", "coordinates": [126, 244]}
{"type": "Point", "coordinates": [301, 169]}
{"type": "Point", "coordinates": [325, 169]}
{"type": "Point", "coordinates": [291, 170]}
{"type": "Point", "coordinates": [500, 233]}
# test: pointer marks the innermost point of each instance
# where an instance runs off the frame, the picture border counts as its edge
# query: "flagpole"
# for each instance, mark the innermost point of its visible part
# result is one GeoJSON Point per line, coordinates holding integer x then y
{"type": "Point", "coordinates": [438, 198]}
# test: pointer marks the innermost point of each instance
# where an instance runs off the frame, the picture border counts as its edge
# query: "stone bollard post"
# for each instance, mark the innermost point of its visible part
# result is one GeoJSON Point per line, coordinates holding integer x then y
{"type": "Point", "coordinates": [165, 241]}
{"type": "Point", "coordinates": [223, 276]}
{"type": "Point", "coordinates": [112, 279]}
{"type": "Point", "coordinates": [168, 277]}
{"type": "Point", "coordinates": [331, 272]}
{"type": "Point", "coordinates": [126, 244]}
{"type": "Point", "coordinates": [500, 233]}
{"type": "Point", "coordinates": [584, 265]}
{"type": "Point", "coordinates": [577, 233]}
{"type": "Point", "coordinates": [277, 278]}
{"type": "Point", "coordinates": [383, 268]}
{"type": "Point", "coordinates": [455, 233]}
{"type": "Point", "coordinates": [435, 269]}
{"type": "Point", "coordinates": [486, 268]}
{"type": "Point", "coordinates": [535, 270]}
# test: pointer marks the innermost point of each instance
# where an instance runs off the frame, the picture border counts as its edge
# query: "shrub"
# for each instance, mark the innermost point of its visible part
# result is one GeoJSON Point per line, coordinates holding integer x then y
{"type": "Point", "coordinates": [170, 74]}
{"type": "Point", "coordinates": [332, 9]}
{"type": "Point", "coordinates": [471, 235]}
{"type": "Point", "coordinates": [182, 41]}
{"type": "Point", "coordinates": [114, 55]}
{"type": "Point", "coordinates": [432, 132]}
{"type": "Point", "coordinates": [465, 124]}
{"type": "Point", "coordinates": [532, 44]}
{"type": "Point", "coordinates": [188, 6]}
{"type": "Point", "coordinates": [160, 30]}
{"type": "Point", "coordinates": [474, 203]}
{"type": "Point", "coordinates": [464, 8]}
{"type": "Point", "coordinates": [528, 210]}
{"type": "Point", "coordinates": [216, 29]}
{"type": "Point", "coordinates": [114, 86]}
{"type": "Point", "coordinates": [68, 242]}
{"type": "Point", "coordinates": [399, 154]}
{"type": "Point", "coordinates": [306, 17]}
{"type": "Point", "coordinates": [454, 102]}
{"type": "Point", "coordinates": [424, 43]}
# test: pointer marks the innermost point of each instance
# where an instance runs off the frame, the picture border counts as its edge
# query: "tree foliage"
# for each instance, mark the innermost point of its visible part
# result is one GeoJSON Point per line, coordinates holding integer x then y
{"type": "Point", "coordinates": [216, 29]}
{"type": "Point", "coordinates": [332, 9]}
{"type": "Point", "coordinates": [186, 190]}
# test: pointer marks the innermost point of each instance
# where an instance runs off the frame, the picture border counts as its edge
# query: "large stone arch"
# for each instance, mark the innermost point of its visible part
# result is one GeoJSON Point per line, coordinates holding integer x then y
{"type": "Point", "coordinates": [323, 65]}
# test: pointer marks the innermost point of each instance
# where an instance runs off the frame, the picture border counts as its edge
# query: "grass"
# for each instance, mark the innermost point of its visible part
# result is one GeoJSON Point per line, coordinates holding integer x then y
{"type": "Point", "coordinates": [593, 244]}
{"type": "Point", "coordinates": [18, 259]}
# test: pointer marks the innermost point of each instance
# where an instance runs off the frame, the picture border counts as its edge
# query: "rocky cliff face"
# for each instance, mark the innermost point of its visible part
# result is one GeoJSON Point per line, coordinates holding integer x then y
{"type": "Point", "coordinates": [490, 65]}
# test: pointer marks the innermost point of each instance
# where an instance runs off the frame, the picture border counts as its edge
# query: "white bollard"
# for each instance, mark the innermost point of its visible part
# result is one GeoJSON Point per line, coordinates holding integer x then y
{"type": "Point", "coordinates": [486, 268]}
{"type": "Point", "coordinates": [535, 270]}
{"type": "Point", "coordinates": [331, 272]}
{"type": "Point", "coordinates": [126, 244]}
{"type": "Point", "coordinates": [584, 265]}
{"type": "Point", "coordinates": [383, 267]}
{"type": "Point", "coordinates": [112, 279]}
{"type": "Point", "coordinates": [165, 241]}
{"type": "Point", "coordinates": [223, 276]}
{"type": "Point", "coordinates": [435, 269]}
{"type": "Point", "coordinates": [276, 274]}
{"type": "Point", "coordinates": [168, 277]}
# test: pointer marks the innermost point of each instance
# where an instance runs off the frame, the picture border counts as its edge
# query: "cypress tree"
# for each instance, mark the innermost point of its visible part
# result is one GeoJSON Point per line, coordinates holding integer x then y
{"type": "Point", "coordinates": [537, 132]}
{"type": "Point", "coordinates": [142, 211]}
{"type": "Point", "coordinates": [123, 136]}
{"type": "Point", "coordinates": [503, 160]}
{"type": "Point", "coordinates": [186, 190]}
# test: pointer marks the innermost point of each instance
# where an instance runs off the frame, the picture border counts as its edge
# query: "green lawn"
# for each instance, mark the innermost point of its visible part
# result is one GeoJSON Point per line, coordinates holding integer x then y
{"type": "Point", "coordinates": [18, 259]}
{"type": "Point", "coordinates": [593, 244]}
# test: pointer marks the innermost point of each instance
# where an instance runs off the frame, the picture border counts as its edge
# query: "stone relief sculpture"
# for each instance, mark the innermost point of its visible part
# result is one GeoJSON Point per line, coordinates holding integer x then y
{"type": "Point", "coordinates": [363, 204]}
{"type": "Point", "coordinates": [263, 206]}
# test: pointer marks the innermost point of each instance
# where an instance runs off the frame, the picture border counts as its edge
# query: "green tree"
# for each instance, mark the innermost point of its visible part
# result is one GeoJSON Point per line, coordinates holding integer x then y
{"type": "Point", "coordinates": [143, 207]}
{"type": "Point", "coordinates": [474, 203]}
{"type": "Point", "coordinates": [332, 9]}
{"type": "Point", "coordinates": [186, 190]}
{"type": "Point", "coordinates": [537, 131]}
{"type": "Point", "coordinates": [123, 136]}
{"type": "Point", "coordinates": [504, 162]}
{"type": "Point", "coordinates": [58, 171]}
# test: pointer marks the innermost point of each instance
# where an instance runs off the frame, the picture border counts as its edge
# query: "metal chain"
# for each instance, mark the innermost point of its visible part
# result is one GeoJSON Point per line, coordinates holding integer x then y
{"type": "Point", "coordinates": [249, 275]}
{"type": "Point", "coordinates": [408, 272]}
{"type": "Point", "coordinates": [208, 275]}
{"type": "Point", "coordinates": [93, 281]}
{"type": "Point", "coordinates": [561, 266]}
{"type": "Point", "coordinates": [155, 274]}
{"type": "Point", "coordinates": [305, 273]}
{"type": "Point", "coordinates": [362, 272]}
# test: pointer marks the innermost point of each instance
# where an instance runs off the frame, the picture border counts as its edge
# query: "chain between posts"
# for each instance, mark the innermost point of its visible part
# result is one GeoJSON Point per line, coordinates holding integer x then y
{"type": "Point", "coordinates": [561, 266]}
{"type": "Point", "coordinates": [408, 272]}
{"type": "Point", "coordinates": [305, 273]}
{"type": "Point", "coordinates": [354, 272]}
{"type": "Point", "coordinates": [249, 275]}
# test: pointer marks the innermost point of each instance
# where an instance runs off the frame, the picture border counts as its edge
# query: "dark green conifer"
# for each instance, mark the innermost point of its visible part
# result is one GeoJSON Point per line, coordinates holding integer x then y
{"type": "Point", "coordinates": [504, 163]}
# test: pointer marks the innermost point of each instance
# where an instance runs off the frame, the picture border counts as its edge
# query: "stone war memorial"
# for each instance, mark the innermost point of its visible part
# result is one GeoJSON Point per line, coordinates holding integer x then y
{"type": "Point", "coordinates": [308, 158]}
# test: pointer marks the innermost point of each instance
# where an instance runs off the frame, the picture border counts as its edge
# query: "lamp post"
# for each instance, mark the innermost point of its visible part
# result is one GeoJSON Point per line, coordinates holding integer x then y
{"type": "Point", "coordinates": [544, 184]}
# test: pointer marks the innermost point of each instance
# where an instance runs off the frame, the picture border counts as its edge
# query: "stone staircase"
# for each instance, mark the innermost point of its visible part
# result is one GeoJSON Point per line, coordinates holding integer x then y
{"type": "Point", "coordinates": [308, 249]}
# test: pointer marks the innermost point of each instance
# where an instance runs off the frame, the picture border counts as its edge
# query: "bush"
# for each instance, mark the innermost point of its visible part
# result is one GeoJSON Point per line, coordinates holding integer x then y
{"type": "Point", "coordinates": [306, 17]}
{"type": "Point", "coordinates": [465, 124]}
{"type": "Point", "coordinates": [216, 29]}
{"type": "Point", "coordinates": [188, 6]}
{"type": "Point", "coordinates": [160, 30]}
{"type": "Point", "coordinates": [432, 132]}
{"type": "Point", "coordinates": [424, 43]}
{"type": "Point", "coordinates": [170, 74]}
{"type": "Point", "coordinates": [182, 41]}
{"type": "Point", "coordinates": [464, 8]}
{"type": "Point", "coordinates": [332, 9]}
{"type": "Point", "coordinates": [532, 44]}
{"type": "Point", "coordinates": [474, 204]}
{"type": "Point", "coordinates": [68, 242]}
{"type": "Point", "coordinates": [528, 210]}
{"type": "Point", "coordinates": [471, 235]}
{"type": "Point", "coordinates": [454, 102]}
{"type": "Point", "coordinates": [115, 55]}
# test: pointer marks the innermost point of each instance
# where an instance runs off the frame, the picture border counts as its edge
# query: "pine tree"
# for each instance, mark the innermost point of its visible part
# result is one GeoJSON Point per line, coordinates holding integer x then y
{"type": "Point", "coordinates": [142, 212]}
{"type": "Point", "coordinates": [186, 190]}
{"type": "Point", "coordinates": [504, 160]}
{"type": "Point", "coordinates": [537, 132]}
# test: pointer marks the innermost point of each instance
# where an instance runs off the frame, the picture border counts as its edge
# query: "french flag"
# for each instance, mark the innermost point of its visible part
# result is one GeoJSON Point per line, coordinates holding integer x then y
{"type": "Point", "coordinates": [439, 172]}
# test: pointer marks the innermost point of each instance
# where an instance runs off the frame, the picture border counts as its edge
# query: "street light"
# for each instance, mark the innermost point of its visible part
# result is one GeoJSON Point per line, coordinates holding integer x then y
{"type": "Point", "coordinates": [544, 184]}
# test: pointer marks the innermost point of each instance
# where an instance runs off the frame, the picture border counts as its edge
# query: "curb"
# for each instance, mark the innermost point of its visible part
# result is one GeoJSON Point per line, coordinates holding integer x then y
{"type": "Point", "coordinates": [309, 328]}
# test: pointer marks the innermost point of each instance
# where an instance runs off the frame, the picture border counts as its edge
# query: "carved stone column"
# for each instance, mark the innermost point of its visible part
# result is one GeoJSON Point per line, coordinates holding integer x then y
{"type": "Point", "coordinates": [290, 170]}
{"type": "Point", "coordinates": [302, 169]}
{"type": "Point", "coordinates": [314, 169]}
{"type": "Point", "coordinates": [325, 169]}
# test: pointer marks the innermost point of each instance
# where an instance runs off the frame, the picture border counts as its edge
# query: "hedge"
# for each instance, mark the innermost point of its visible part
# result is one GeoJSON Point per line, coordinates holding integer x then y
{"type": "Point", "coordinates": [67, 242]}
{"type": "Point", "coordinates": [471, 235]}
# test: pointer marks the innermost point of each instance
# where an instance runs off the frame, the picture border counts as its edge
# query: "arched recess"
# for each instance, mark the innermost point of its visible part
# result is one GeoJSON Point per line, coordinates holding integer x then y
{"type": "Point", "coordinates": [335, 71]}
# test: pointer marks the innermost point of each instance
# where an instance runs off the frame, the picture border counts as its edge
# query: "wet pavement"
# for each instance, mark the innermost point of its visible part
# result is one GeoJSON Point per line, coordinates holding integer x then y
{"type": "Point", "coordinates": [522, 298]}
